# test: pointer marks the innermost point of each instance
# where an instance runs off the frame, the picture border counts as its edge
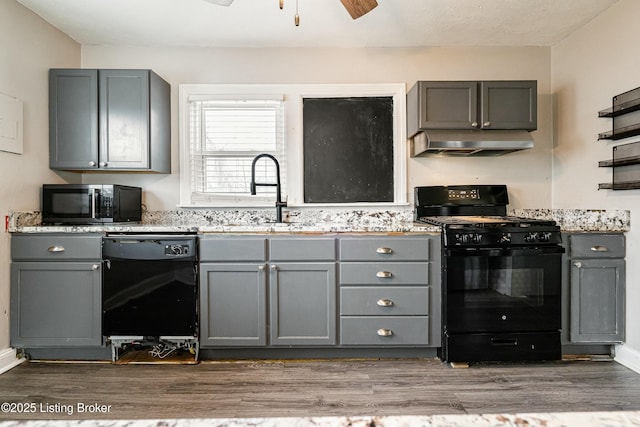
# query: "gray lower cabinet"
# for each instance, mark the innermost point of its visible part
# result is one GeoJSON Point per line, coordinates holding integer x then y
{"type": "Point", "coordinates": [56, 291]}
{"type": "Point", "coordinates": [303, 303]}
{"type": "Point", "coordinates": [109, 120]}
{"type": "Point", "coordinates": [244, 277]}
{"type": "Point", "coordinates": [595, 291]}
{"type": "Point", "coordinates": [233, 304]}
{"type": "Point", "coordinates": [319, 291]}
{"type": "Point", "coordinates": [233, 291]}
{"type": "Point", "coordinates": [386, 286]}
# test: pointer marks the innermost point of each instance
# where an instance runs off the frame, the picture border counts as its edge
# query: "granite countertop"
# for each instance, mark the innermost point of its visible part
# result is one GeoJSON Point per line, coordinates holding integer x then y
{"type": "Point", "coordinates": [397, 220]}
{"type": "Point", "coordinates": [564, 419]}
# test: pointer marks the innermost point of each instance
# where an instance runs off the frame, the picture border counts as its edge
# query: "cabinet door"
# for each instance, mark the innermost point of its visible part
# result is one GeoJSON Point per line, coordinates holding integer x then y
{"type": "Point", "coordinates": [73, 119]}
{"type": "Point", "coordinates": [509, 105]}
{"type": "Point", "coordinates": [124, 119]}
{"type": "Point", "coordinates": [303, 303]}
{"type": "Point", "coordinates": [448, 105]}
{"type": "Point", "coordinates": [233, 305]}
{"type": "Point", "coordinates": [56, 304]}
{"type": "Point", "coordinates": [597, 300]}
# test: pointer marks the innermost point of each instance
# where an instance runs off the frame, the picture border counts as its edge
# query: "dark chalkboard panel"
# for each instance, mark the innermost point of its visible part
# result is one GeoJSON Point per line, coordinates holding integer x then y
{"type": "Point", "coordinates": [348, 149]}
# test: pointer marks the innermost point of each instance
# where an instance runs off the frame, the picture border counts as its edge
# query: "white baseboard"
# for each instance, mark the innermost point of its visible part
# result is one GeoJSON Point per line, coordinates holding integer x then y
{"type": "Point", "coordinates": [8, 359]}
{"type": "Point", "coordinates": [628, 357]}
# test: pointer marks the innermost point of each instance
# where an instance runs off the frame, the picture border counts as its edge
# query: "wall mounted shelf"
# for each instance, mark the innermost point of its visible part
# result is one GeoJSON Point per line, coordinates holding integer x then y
{"type": "Point", "coordinates": [626, 167]}
{"type": "Point", "coordinates": [625, 161]}
{"type": "Point", "coordinates": [625, 112]}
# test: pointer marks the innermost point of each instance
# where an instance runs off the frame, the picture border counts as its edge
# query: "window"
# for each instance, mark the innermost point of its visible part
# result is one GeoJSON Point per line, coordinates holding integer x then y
{"type": "Point", "coordinates": [223, 127]}
{"type": "Point", "coordinates": [224, 137]}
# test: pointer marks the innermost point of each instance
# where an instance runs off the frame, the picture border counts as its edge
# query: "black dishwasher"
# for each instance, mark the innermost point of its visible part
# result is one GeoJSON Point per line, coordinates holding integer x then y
{"type": "Point", "coordinates": [149, 285]}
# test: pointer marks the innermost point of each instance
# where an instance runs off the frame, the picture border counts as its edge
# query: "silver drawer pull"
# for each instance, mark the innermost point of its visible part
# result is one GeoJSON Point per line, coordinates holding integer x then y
{"type": "Point", "coordinates": [384, 303]}
{"type": "Point", "coordinates": [385, 251]}
{"type": "Point", "coordinates": [383, 332]}
{"type": "Point", "coordinates": [54, 249]}
{"type": "Point", "coordinates": [598, 248]}
{"type": "Point", "coordinates": [578, 264]}
{"type": "Point", "coordinates": [384, 274]}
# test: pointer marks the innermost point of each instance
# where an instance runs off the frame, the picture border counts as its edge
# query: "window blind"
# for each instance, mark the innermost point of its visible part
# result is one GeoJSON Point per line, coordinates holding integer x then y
{"type": "Point", "coordinates": [225, 135]}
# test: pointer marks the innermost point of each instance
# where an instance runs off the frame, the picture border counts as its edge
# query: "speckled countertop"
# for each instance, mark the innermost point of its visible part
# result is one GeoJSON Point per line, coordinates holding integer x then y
{"type": "Point", "coordinates": [396, 220]}
{"type": "Point", "coordinates": [565, 419]}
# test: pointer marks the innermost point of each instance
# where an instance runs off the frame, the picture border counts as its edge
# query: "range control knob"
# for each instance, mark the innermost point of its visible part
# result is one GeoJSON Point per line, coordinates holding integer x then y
{"type": "Point", "coordinates": [505, 238]}
{"type": "Point", "coordinates": [531, 237]}
{"type": "Point", "coordinates": [544, 237]}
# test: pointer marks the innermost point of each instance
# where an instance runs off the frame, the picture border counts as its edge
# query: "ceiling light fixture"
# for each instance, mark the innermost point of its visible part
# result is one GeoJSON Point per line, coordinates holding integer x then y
{"type": "Point", "coordinates": [356, 8]}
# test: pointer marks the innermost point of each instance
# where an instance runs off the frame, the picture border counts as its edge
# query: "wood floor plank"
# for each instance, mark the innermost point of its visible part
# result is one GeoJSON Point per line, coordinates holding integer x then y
{"type": "Point", "coordinates": [319, 388]}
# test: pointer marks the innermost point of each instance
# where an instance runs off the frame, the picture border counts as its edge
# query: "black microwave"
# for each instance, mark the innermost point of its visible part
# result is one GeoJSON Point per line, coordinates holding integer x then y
{"type": "Point", "coordinates": [90, 204]}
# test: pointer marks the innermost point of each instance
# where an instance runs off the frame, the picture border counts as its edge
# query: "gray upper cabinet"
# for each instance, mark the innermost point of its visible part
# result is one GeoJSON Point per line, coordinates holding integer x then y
{"type": "Point", "coordinates": [471, 105]}
{"type": "Point", "coordinates": [596, 288]}
{"type": "Point", "coordinates": [56, 290]}
{"type": "Point", "coordinates": [442, 105]}
{"type": "Point", "coordinates": [109, 120]}
{"type": "Point", "coordinates": [509, 105]}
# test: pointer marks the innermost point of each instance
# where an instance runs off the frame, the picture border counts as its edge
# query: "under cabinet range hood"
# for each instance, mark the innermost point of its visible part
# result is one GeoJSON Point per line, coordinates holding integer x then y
{"type": "Point", "coordinates": [469, 142]}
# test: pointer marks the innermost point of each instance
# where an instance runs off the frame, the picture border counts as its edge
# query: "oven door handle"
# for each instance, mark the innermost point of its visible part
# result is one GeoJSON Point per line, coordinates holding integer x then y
{"type": "Point", "coordinates": [507, 251]}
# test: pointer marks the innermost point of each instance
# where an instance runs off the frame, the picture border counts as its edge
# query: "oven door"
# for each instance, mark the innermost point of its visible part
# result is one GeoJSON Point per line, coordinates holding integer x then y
{"type": "Point", "coordinates": [502, 289]}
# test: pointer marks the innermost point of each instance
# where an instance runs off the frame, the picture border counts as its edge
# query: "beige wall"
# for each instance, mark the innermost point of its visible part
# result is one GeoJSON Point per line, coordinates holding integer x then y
{"type": "Point", "coordinates": [588, 69]}
{"type": "Point", "coordinates": [28, 48]}
{"type": "Point", "coordinates": [527, 173]}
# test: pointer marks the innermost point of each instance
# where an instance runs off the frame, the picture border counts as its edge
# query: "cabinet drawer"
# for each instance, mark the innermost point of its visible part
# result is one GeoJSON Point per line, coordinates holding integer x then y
{"type": "Point", "coordinates": [597, 245]}
{"type": "Point", "coordinates": [302, 249]}
{"type": "Point", "coordinates": [384, 301]}
{"type": "Point", "coordinates": [56, 247]}
{"type": "Point", "coordinates": [233, 250]}
{"type": "Point", "coordinates": [384, 249]}
{"type": "Point", "coordinates": [384, 273]}
{"type": "Point", "coordinates": [384, 330]}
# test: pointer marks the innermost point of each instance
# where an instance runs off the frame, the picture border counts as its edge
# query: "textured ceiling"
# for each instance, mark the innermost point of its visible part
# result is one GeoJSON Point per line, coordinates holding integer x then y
{"type": "Point", "coordinates": [323, 23]}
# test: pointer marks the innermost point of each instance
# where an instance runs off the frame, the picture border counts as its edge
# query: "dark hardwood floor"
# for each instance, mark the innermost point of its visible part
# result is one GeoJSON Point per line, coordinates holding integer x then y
{"type": "Point", "coordinates": [316, 388]}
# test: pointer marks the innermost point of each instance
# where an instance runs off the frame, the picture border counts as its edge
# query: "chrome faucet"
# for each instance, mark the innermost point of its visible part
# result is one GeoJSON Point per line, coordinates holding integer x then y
{"type": "Point", "coordinates": [279, 203]}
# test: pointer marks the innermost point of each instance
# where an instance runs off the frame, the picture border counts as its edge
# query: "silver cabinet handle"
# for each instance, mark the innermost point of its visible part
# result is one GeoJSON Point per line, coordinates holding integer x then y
{"type": "Point", "coordinates": [598, 248]}
{"type": "Point", "coordinates": [486, 124]}
{"type": "Point", "coordinates": [384, 274]}
{"type": "Point", "coordinates": [577, 264]}
{"type": "Point", "coordinates": [95, 267]}
{"type": "Point", "coordinates": [261, 267]}
{"type": "Point", "coordinates": [55, 249]}
{"type": "Point", "coordinates": [383, 332]}
{"type": "Point", "coordinates": [385, 251]}
{"type": "Point", "coordinates": [384, 303]}
{"type": "Point", "coordinates": [474, 124]}
{"type": "Point", "coordinates": [103, 164]}
{"type": "Point", "coordinates": [92, 163]}
{"type": "Point", "coordinates": [274, 267]}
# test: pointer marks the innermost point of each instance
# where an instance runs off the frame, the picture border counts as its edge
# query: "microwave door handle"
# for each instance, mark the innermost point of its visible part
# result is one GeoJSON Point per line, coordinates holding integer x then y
{"type": "Point", "coordinates": [93, 203]}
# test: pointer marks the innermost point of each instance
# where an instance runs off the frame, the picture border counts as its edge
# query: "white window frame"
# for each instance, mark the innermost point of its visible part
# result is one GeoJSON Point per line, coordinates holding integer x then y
{"type": "Point", "coordinates": [293, 96]}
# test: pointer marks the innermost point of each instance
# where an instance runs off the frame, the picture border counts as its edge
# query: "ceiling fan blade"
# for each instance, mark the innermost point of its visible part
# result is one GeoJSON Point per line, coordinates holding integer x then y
{"type": "Point", "coordinates": [220, 2]}
{"type": "Point", "coordinates": [357, 8]}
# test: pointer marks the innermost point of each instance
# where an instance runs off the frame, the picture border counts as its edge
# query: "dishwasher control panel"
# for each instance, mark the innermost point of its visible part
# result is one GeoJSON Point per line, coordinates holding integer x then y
{"type": "Point", "coordinates": [176, 249]}
{"type": "Point", "coordinates": [149, 247]}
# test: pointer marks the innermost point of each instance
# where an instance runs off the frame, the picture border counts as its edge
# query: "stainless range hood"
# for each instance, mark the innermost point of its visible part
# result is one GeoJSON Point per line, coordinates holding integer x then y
{"type": "Point", "coordinates": [470, 143]}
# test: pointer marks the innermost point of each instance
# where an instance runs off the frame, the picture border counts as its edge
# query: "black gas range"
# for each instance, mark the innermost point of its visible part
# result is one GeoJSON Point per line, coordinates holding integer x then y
{"type": "Point", "coordinates": [501, 275]}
